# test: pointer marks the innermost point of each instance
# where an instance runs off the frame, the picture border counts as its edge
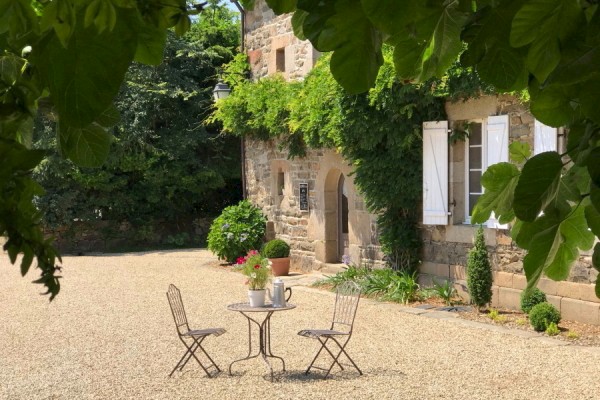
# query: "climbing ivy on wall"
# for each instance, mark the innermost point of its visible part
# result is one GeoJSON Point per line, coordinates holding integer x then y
{"type": "Point", "coordinates": [378, 132]}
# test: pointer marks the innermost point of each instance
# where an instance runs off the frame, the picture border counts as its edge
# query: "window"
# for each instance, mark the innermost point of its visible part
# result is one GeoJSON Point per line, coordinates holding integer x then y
{"type": "Point", "coordinates": [280, 182]}
{"type": "Point", "coordinates": [280, 60]}
{"type": "Point", "coordinates": [487, 145]}
{"type": "Point", "coordinates": [474, 165]}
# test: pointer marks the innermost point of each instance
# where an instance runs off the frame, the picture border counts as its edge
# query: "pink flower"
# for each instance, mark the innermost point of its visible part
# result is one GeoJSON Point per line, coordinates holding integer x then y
{"type": "Point", "coordinates": [240, 260]}
{"type": "Point", "coordinates": [252, 252]}
{"type": "Point", "coordinates": [257, 266]}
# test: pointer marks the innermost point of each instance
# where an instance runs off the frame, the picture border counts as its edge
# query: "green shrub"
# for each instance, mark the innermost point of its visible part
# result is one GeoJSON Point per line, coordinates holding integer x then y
{"type": "Point", "coordinates": [479, 271]}
{"type": "Point", "coordinates": [541, 315]}
{"type": "Point", "coordinates": [276, 248]}
{"type": "Point", "coordinates": [531, 298]}
{"type": "Point", "coordinates": [237, 230]}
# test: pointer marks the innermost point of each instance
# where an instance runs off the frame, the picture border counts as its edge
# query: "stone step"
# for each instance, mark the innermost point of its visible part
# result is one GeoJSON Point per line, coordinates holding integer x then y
{"type": "Point", "coordinates": [332, 269]}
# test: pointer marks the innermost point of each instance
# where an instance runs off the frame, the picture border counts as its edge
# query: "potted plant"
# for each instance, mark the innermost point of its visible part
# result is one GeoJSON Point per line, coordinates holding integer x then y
{"type": "Point", "coordinates": [257, 269]}
{"type": "Point", "coordinates": [278, 252]}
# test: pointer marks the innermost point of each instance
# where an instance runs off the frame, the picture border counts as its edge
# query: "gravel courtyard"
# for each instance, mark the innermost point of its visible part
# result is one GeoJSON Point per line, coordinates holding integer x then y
{"type": "Point", "coordinates": [110, 335]}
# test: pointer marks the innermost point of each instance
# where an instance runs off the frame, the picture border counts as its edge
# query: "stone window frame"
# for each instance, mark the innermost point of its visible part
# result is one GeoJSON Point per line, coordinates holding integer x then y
{"type": "Point", "coordinates": [280, 171]}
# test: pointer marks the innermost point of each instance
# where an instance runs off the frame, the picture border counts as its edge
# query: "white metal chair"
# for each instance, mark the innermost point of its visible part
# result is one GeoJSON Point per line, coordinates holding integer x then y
{"type": "Point", "coordinates": [346, 304]}
{"type": "Point", "coordinates": [191, 339]}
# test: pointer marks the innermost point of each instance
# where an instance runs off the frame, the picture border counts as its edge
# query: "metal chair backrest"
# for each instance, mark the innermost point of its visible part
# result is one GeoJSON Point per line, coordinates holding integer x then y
{"type": "Point", "coordinates": [346, 304]}
{"type": "Point", "coordinates": [174, 296]}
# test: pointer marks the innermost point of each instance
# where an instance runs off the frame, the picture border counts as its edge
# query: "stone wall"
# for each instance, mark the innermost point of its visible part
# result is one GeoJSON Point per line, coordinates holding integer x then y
{"type": "Point", "coordinates": [445, 248]}
{"type": "Point", "coordinates": [311, 234]}
{"type": "Point", "coordinates": [266, 33]}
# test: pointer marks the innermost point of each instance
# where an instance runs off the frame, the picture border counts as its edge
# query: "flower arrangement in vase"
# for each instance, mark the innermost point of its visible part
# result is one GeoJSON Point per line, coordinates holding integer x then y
{"type": "Point", "coordinates": [258, 272]}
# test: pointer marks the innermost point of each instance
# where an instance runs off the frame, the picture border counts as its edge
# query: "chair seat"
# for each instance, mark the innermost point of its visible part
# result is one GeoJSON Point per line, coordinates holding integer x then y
{"type": "Point", "coordinates": [314, 333]}
{"type": "Point", "coordinates": [205, 332]}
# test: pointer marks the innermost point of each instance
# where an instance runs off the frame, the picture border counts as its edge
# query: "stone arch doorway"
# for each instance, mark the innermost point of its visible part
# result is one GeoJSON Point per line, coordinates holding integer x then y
{"type": "Point", "coordinates": [336, 216]}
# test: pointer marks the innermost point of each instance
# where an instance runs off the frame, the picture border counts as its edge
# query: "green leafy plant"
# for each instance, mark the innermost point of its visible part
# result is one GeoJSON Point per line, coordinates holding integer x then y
{"type": "Point", "coordinates": [572, 335]}
{"type": "Point", "coordinates": [552, 329]}
{"type": "Point", "coordinates": [403, 287]}
{"type": "Point", "coordinates": [446, 291]}
{"type": "Point", "coordinates": [495, 316]}
{"type": "Point", "coordinates": [460, 133]}
{"type": "Point", "coordinates": [378, 281]}
{"type": "Point", "coordinates": [276, 248]}
{"type": "Point", "coordinates": [543, 314]}
{"type": "Point", "coordinates": [479, 272]}
{"type": "Point", "coordinates": [257, 269]}
{"type": "Point", "coordinates": [350, 273]}
{"type": "Point", "coordinates": [237, 230]}
{"type": "Point", "coordinates": [530, 298]}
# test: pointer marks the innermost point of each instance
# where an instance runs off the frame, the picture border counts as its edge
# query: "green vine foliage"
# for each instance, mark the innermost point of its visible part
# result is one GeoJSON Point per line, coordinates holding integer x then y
{"type": "Point", "coordinates": [378, 132]}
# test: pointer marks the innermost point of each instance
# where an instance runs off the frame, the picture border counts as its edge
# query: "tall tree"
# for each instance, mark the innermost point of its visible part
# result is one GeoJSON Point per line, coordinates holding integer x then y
{"type": "Point", "coordinates": [164, 162]}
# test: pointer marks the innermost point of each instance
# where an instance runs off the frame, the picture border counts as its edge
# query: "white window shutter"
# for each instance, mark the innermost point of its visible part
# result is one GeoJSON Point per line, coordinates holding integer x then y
{"type": "Point", "coordinates": [497, 140]}
{"type": "Point", "coordinates": [544, 138]}
{"type": "Point", "coordinates": [435, 173]}
{"type": "Point", "coordinates": [497, 151]}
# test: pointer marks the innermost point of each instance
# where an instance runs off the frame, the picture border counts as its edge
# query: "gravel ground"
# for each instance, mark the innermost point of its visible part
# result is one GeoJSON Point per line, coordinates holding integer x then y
{"type": "Point", "coordinates": [110, 335]}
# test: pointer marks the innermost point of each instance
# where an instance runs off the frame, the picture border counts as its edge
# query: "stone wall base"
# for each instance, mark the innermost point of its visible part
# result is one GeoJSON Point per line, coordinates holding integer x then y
{"type": "Point", "coordinates": [575, 301]}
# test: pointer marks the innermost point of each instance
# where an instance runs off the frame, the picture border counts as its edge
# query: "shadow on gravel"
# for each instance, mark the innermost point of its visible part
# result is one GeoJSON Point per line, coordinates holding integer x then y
{"type": "Point", "coordinates": [299, 376]}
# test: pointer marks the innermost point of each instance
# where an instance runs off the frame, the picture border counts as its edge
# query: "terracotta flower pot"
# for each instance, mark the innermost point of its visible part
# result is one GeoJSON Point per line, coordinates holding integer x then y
{"type": "Point", "coordinates": [280, 266]}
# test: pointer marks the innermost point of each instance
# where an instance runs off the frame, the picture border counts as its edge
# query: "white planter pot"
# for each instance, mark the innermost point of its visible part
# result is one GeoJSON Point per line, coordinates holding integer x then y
{"type": "Point", "coordinates": [256, 297]}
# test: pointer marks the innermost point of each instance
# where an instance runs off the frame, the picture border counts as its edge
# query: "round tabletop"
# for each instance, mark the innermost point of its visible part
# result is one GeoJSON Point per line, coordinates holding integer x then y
{"type": "Point", "coordinates": [245, 307]}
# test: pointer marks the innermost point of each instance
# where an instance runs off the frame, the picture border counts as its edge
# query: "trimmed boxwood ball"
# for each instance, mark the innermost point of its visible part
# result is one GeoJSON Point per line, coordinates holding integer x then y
{"type": "Point", "coordinates": [541, 315]}
{"type": "Point", "coordinates": [531, 298]}
{"type": "Point", "coordinates": [276, 248]}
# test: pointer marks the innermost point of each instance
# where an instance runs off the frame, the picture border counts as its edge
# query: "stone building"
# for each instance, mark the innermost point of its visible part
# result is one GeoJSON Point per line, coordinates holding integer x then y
{"type": "Point", "coordinates": [312, 202]}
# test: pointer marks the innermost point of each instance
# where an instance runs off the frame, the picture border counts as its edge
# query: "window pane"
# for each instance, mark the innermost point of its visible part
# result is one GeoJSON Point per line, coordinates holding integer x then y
{"type": "Point", "coordinates": [474, 157]}
{"type": "Point", "coordinates": [475, 182]}
{"type": "Point", "coordinates": [472, 200]}
{"type": "Point", "coordinates": [475, 133]}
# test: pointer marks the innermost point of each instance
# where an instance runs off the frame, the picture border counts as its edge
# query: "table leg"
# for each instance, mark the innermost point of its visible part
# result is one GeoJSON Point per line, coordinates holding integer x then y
{"type": "Point", "coordinates": [264, 345]}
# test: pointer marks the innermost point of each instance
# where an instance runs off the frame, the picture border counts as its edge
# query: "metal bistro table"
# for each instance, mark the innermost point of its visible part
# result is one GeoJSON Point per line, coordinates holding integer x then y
{"type": "Point", "coordinates": [264, 329]}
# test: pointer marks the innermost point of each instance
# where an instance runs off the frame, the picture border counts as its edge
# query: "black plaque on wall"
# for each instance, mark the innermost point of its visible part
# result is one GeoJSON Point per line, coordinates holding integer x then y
{"type": "Point", "coordinates": [304, 196]}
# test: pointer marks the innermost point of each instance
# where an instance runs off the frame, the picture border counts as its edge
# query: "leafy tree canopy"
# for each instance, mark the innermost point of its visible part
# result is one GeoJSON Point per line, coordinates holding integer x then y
{"type": "Point", "coordinates": [163, 162]}
{"type": "Point", "coordinates": [551, 48]}
{"type": "Point", "coordinates": [69, 57]}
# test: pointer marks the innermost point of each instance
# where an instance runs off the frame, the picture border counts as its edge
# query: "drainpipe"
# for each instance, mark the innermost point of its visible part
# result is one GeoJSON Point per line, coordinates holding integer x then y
{"type": "Point", "coordinates": [242, 49]}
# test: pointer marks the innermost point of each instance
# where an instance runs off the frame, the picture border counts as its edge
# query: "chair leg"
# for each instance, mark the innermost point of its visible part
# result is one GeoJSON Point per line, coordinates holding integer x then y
{"type": "Point", "coordinates": [335, 361]}
{"type": "Point", "coordinates": [335, 358]}
{"type": "Point", "coordinates": [191, 352]}
{"type": "Point", "coordinates": [181, 363]}
{"type": "Point", "coordinates": [316, 356]}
